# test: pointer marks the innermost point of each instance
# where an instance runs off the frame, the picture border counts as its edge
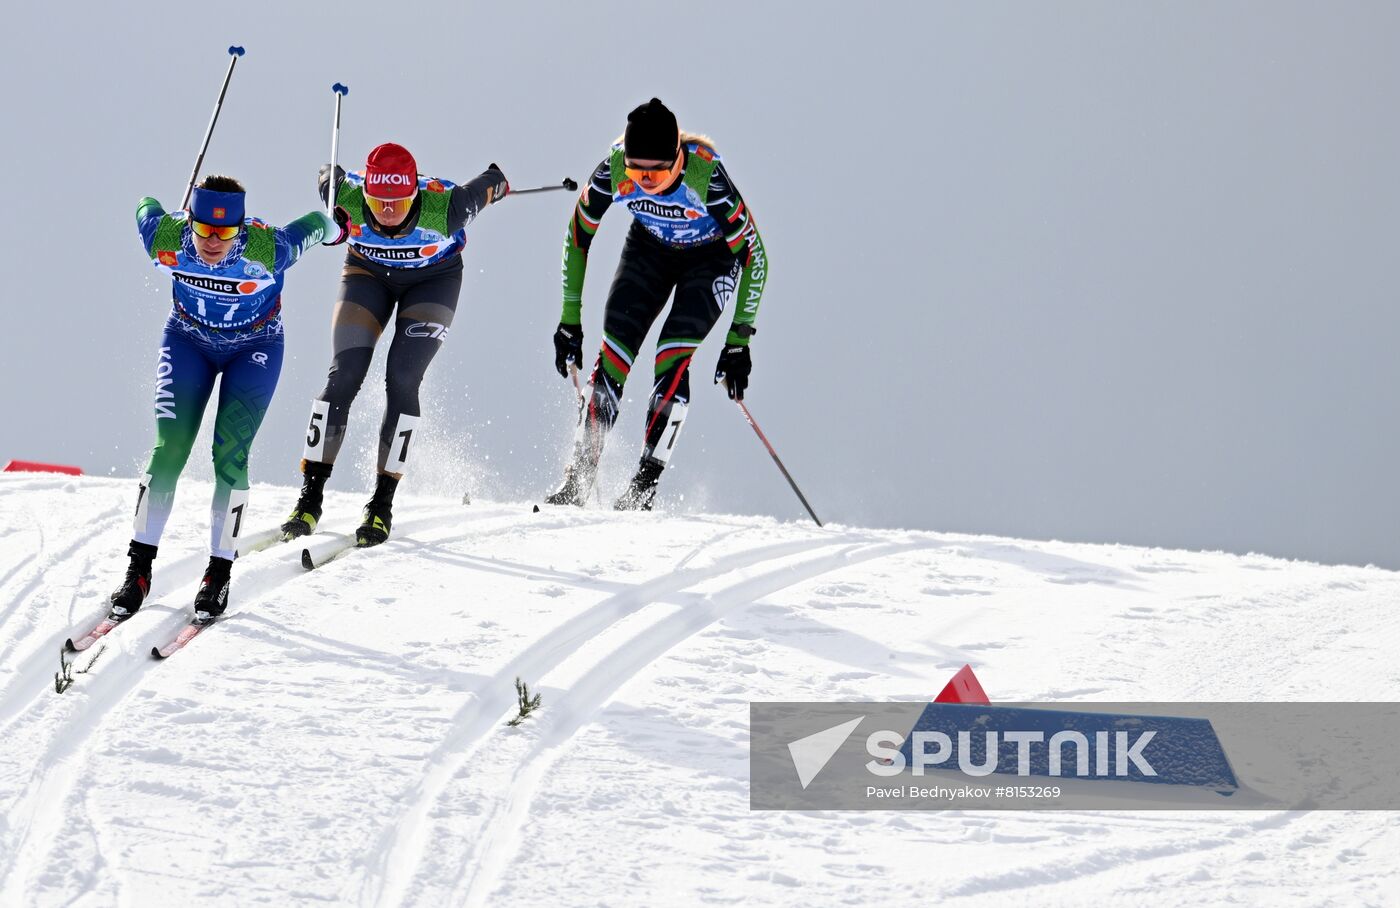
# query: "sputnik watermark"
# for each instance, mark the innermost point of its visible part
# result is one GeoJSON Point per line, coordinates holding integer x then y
{"type": "Point", "coordinates": [1126, 751]}
{"type": "Point", "coordinates": [1156, 756]}
{"type": "Point", "coordinates": [1114, 754]}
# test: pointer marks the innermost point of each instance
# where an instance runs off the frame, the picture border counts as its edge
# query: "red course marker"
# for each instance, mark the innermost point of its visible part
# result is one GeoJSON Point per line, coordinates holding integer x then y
{"type": "Point", "coordinates": [963, 688]}
{"type": "Point", "coordinates": [30, 466]}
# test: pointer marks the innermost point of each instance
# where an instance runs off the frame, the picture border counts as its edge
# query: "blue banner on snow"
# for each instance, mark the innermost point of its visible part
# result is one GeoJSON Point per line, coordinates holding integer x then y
{"type": "Point", "coordinates": [1165, 750]}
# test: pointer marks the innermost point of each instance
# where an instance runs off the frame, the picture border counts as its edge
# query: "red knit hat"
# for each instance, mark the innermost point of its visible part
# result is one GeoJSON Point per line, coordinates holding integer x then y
{"type": "Point", "coordinates": [391, 172]}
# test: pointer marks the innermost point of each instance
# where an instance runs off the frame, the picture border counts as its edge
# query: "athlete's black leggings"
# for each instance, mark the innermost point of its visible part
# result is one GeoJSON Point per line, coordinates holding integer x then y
{"type": "Point", "coordinates": [703, 278]}
{"type": "Point", "coordinates": [368, 294]}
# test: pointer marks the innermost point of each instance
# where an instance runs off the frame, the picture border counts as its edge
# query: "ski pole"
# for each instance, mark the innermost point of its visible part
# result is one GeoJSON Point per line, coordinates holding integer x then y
{"type": "Point", "coordinates": [582, 404]}
{"type": "Point", "coordinates": [573, 373]}
{"type": "Point", "coordinates": [568, 184]}
{"type": "Point", "coordinates": [340, 92]}
{"type": "Point", "coordinates": [774, 454]}
{"type": "Point", "coordinates": [234, 52]}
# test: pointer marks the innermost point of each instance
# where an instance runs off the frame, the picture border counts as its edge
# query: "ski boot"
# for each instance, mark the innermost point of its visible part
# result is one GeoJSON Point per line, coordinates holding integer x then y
{"type": "Point", "coordinates": [212, 598]}
{"type": "Point", "coordinates": [307, 512]}
{"type": "Point", "coordinates": [378, 513]}
{"type": "Point", "coordinates": [137, 585]}
{"type": "Point", "coordinates": [571, 492]}
{"type": "Point", "coordinates": [641, 491]}
{"type": "Point", "coordinates": [578, 480]}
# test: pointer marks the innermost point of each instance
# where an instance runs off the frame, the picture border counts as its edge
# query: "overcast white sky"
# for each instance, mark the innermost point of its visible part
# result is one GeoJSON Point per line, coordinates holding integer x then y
{"type": "Point", "coordinates": [1095, 271]}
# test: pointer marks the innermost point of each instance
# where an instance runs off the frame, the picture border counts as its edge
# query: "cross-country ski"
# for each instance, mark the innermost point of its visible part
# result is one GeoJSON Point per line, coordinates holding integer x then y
{"type": "Point", "coordinates": [182, 639]}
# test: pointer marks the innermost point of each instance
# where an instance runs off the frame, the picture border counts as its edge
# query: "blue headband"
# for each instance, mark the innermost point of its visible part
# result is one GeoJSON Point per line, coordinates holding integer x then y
{"type": "Point", "coordinates": [221, 209]}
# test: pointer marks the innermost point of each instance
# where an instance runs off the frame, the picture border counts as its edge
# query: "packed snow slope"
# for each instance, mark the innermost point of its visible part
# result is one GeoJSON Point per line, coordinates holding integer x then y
{"type": "Point", "coordinates": [341, 738]}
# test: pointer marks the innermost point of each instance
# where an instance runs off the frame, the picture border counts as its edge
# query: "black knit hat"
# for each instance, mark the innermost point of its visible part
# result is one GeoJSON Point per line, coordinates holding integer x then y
{"type": "Point", "coordinates": [652, 134]}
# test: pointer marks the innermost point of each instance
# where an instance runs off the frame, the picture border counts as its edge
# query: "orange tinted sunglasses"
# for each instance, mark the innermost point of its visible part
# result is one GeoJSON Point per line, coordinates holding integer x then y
{"type": "Point", "coordinates": [390, 206]}
{"type": "Point", "coordinates": [661, 175]}
{"type": "Point", "coordinates": [207, 230]}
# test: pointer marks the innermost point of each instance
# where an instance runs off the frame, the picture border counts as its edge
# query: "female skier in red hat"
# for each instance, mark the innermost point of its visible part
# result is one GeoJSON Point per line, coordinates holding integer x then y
{"type": "Point", "coordinates": [404, 253]}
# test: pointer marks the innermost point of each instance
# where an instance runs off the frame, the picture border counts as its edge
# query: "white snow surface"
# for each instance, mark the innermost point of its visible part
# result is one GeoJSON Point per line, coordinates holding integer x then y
{"type": "Point", "coordinates": [341, 738]}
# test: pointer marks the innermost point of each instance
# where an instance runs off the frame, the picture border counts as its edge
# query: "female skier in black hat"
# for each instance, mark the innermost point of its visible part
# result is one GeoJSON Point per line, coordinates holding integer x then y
{"type": "Point", "coordinates": [691, 233]}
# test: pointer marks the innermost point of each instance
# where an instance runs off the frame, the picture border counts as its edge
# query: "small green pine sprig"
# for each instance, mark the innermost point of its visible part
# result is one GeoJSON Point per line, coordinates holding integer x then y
{"type": "Point", "coordinates": [527, 704]}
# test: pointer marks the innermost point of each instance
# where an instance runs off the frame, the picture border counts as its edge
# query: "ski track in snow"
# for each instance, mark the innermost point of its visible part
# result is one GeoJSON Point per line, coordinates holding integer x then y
{"type": "Point", "coordinates": [46, 587]}
{"type": "Point", "coordinates": [582, 700]}
{"type": "Point", "coordinates": [26, 559]}
{"type": "Point", "coordinates": [388, 878]}
{"type": "Point", "coordinates": [35, 671]}
{"type": "Point", "coordinates": [41, 564]}
{"type": "Point", "coordinates": [638, 629]}
{"type": "Point", "coordinates": [43, 804]}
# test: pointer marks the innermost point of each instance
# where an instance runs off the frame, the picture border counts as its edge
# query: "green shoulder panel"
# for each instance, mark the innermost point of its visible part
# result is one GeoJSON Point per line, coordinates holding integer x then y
{"type": "Point", "coordinates": [698, 168]}
{"type": "Point", "coordinates": [169, 234]}
{"type": "Point", "coordinates": [352, 199]}
{"type": "Point", "coordinates": [262, 247]}
{"type": "Point", "coordinates": [432, 214]}
{"type": "Point", "coordinates": [618, 166]}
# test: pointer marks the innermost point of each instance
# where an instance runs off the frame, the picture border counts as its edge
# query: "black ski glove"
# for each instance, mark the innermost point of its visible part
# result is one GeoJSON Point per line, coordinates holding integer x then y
{"type": "Point", "coordinates": [501, 189]}
{"type": "Point", "coordinates": [733, 369]}
{"type": "Point", "coordinates": [568, 347]}
{"type": "Point", "coordinates": [342, 220]}
{"type": "Point", "coordinates": [324, 182]}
